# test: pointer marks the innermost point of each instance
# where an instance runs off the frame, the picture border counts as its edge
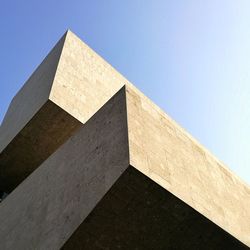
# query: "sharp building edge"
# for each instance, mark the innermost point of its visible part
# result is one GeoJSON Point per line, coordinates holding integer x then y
{"type": "Point", "coordinates": [73, 132]}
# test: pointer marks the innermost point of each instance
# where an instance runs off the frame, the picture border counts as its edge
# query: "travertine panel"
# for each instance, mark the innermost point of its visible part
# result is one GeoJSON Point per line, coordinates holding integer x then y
{"type": "Point", "coordinates": [83, 81]}
{"type": "Point", "coordinates": [162, 150]}
{"type": "Point", "coordinates": [44, 210]}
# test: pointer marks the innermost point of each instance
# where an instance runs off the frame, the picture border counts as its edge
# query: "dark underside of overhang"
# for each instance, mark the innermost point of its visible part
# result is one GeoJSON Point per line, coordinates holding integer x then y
{"type": "Point", "coordinates": [137, 213]}
{"type": "Point", "coordinates": [49, 128]}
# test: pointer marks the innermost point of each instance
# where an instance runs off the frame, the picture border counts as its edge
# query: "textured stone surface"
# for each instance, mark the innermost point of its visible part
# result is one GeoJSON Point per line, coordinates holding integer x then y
{"type": "Point", "coordinates": [136, 213]}
{"type": "Point", "coordinates": [83, 81]}
{"type": "Point", "coordinates": [79, 82]}
{"type": "Point", "coordinates": [74, 78]}
{"type": "Point", "coordinates": [163, 151]}
{"type": "Point", "coordinates": [51, 203]}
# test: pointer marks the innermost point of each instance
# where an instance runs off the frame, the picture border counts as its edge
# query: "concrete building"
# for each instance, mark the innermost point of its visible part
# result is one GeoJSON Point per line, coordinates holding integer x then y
{"type": "Point", "coordinates": [89, 162]}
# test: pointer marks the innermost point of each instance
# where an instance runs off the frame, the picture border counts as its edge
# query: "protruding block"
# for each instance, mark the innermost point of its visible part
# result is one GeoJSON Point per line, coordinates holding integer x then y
{"type": "Point", "coordinates": [69, 87]}
{"type": "Point", "coordinates": [45, 209]}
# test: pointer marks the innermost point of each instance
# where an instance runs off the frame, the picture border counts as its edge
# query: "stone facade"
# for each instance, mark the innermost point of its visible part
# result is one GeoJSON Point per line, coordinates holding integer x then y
{"type": "Point", "coordinates": [73, 129]}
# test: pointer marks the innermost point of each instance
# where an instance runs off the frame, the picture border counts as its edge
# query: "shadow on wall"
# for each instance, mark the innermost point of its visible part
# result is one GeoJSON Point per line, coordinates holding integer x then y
{"type": "Point", "coordinates": [3, 195]}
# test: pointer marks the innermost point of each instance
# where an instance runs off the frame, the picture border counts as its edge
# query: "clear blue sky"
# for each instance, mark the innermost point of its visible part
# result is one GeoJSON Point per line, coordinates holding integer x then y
{"type": "Point", "coordinates": [192, 58]}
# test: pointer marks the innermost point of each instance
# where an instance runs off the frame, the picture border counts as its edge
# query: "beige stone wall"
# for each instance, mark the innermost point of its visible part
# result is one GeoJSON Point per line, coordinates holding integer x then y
{"type": "Point", "coordinates": [159, 147]}
{"type": "Point", "coordinates": [167, 154]}
{"type": "Point", "coordinates": [84, 82]}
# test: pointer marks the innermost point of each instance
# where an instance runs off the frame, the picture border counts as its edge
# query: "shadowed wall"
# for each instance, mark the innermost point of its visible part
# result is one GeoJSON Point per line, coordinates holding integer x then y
{"type": "Point", "coordinates": [137, 213]}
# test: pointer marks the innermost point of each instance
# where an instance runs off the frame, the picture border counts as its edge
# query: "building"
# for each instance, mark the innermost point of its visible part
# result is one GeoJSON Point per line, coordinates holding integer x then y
{"type": "Point", "coordinates": [89, 162]}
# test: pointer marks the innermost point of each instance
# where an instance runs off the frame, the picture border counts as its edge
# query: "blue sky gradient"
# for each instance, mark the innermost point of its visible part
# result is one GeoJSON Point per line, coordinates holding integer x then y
{"type": "Point", "coordinates": [192, 58]}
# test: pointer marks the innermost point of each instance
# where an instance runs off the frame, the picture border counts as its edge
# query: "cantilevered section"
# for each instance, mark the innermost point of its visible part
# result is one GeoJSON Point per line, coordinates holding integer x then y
{"type": "Point", "coordinates": [57, 102]}
{"type": "Point", "coordinates": [48, 206]}
{"type": "Point", "coordinates": [70, 85]}
{"type": "Point", "coordinates": [136, 213]}
{"type": "Point", "coordinates": [34, 126]}
{"type": "Point", "coordinates": [167, 154]}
